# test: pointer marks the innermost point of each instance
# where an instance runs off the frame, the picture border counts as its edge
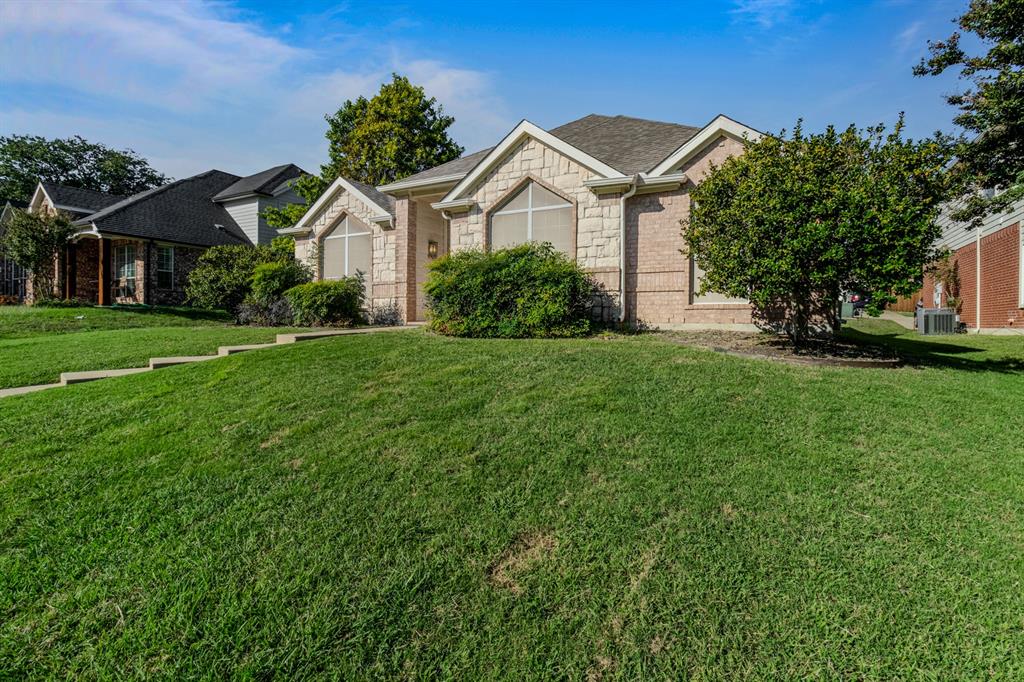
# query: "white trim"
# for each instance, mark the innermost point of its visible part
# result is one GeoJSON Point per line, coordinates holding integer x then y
{"type": "Point", "coordinates": [294, 230]}
{"type": "Point", "coordinates": [159, 270]}
{"type": "Point", "coordinates": [643, 182]}
{"type": "Point", "coordinates": [529, 211]}
{"type": "Point", "coordinates": [520, 132]}
{"type": "Point", "coordinates": [457, 205]}
{"type": "Point", "coordinates": [56, 206]}
{"type": "Point", "coordinates": [330, 194]}
{"type": "Point", "coordinates": [425, 182]}
{"type": "Point", "coordinates": [721, 125]}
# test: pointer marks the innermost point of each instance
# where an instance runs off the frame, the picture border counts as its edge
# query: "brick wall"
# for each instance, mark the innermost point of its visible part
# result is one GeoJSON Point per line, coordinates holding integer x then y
{"type": "Point", "coordinates": [185, 260]}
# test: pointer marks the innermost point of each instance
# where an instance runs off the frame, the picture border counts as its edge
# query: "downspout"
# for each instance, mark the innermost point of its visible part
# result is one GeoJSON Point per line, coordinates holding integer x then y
{"type": "Point", "coordinates": [448, 231]}
{"type": "Point", "coordinates": [634, 185]}
{"type": "Point", "coordinates": [977, 285]}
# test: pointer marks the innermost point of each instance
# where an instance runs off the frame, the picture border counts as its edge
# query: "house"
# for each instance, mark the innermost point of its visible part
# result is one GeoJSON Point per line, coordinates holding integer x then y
{"type": "Point", "coordinates": [140, 249]}
{"type": "Point", "coordinates": [989, 262]}
{"type": "Point", "coordinates": [13, 277]}
{"type": "Point", "coordinates": [608, 191]}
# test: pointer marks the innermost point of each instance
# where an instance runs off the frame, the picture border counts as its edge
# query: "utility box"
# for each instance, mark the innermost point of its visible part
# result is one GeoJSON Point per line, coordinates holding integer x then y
{"type": "Point", "coordinates": [935, 321]}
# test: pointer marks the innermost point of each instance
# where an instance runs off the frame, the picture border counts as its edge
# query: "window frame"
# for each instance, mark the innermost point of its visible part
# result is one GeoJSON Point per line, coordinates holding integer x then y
{"type": "Point", "coordinates": [160, 270]}
{"type": "Point", "coordinates": [332, 234]}
{"type": "Point", "coordinates": [695, 286]}
{"type": "Point", "coordinates": [526, 184]}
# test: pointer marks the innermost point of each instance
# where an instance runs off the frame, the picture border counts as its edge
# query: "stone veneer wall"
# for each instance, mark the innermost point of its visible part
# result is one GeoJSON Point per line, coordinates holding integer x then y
{"type": "Point", "coordinates": [383, 276]}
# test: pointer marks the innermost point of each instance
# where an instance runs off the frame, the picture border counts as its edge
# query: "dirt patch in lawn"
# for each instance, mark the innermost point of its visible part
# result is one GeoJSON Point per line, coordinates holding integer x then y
{"type": "Point", "coordinates": [525, 551]}
{"type": "Point", "coordinates": [826, 352]}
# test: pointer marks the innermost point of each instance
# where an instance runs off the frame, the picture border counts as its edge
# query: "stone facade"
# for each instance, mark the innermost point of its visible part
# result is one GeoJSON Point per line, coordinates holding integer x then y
{"type": "Point", "coordinates": [383, 281]}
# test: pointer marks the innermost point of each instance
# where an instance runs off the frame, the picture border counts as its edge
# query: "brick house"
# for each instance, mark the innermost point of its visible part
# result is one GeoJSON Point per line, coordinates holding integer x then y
{"type": "Point", "coordinates": [609, 191]}
{"type": "Point", "coordinates": [141, 249]}
{"type": "Point", "coordinates": [990, 263]}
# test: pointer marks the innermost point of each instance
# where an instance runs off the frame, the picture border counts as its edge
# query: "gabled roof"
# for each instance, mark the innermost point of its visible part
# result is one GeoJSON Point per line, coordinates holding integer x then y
{"type": "Point", "coordinates": [77, 199]}
{"type": "Point", "coordinates": [265, 182]}
{"type": "Point", "coordinates": [630, 145]}
{"type": "Point", "coordinates": [379, 203]}
{"type": "Point", "coordinates": [182, 211]}
{"type": "Point", "coordinates": [449, 171]}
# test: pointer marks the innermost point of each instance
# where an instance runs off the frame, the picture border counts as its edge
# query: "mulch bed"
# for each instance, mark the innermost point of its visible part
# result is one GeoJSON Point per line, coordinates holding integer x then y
{"type": "Point", "coordinates": [766, 346]}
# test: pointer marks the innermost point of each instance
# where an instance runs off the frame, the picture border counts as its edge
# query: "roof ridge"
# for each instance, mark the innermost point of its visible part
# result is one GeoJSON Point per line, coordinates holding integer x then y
{"type": "Point", "coordinates": [81, 189]}
{"type": "Point", "coordinates": [146, 194]}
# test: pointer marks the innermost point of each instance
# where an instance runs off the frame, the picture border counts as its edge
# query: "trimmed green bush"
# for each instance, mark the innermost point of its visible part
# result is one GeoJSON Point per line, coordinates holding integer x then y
{"type": "Point", "coordinates": [331, 302]}
{"type": "Point", "coordinates": [223, 275]}
{"type": "Point", "coordinates": [271, 280]}
{"type": "Point", "coordinates": [527, 291]}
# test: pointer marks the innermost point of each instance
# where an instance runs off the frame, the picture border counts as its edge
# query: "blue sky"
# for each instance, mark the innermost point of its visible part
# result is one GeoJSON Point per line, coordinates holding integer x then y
{"type": "Point", "coordinates": [242, 86]}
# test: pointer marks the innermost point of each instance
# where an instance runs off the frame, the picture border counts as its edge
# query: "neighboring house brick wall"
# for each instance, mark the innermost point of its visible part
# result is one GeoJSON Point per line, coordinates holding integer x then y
{"type": "Point", "coordinates": [383, 275]}
{"type": "Point", "coordinates": [87, 253]}
{"type": "Point", "coordinates": [185, 260]}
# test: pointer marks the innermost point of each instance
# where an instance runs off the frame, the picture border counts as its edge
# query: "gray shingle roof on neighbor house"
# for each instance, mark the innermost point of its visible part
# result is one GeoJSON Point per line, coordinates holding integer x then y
{"type": "Point", "coordinates": [629, 145]}
{"type": "Point", "coordinates": [77, 197]}
{"type": "Point", "coordinates": [264, 182]}
{"type": "Point", "coordinates": [182, 211]}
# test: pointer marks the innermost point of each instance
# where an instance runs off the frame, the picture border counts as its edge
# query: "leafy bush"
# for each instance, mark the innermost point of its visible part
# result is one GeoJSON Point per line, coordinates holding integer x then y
{"type": "Point", "coordinates": [524, 291]}
{"type": "Point", "coordinates": [61, 303]}
{"type": "Point", "coordinates": [332, 302]}
{"type": "Point", "coordinates": [223, 276]}
{"type": "Point", "coordinates": [276, 313]}
{"type": "Point", "coordinates": [271, 280]}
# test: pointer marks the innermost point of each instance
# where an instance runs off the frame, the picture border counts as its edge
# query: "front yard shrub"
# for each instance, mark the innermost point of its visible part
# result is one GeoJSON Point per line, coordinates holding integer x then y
{"type": "Point", "coordinates": [276, 313]}
{"type": "Point", "coordinates": [271, 280]}
{"type": "Point", "coordinates": [223, 276]}
{"type": "Point", "coordinates": [527, 291]}
{"type": "Point", "coordinates": [329, 302]}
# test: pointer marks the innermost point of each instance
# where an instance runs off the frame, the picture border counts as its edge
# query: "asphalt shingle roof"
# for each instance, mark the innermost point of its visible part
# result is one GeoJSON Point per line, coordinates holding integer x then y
{"type": "Point", "coordinates": [264, 182]}
{"type": "Point", "coordinates": [77, 197]}
{"type": "Point", "coordinates": [462, 165]}
{"type": "Point", "coordinates": [182, 211]}
{"type": "Point", "coordinates": [385, 201]}
{"type": "Point", "coordinates": [629, 145]}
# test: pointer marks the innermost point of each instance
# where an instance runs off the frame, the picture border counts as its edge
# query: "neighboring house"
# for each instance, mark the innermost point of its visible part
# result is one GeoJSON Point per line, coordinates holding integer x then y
{"type": "Point", "coordinates": [609, 191]}
{"type": "Point", "coordinates": [990, 264]}
{"type": "Point", "coordinates": [140, 249]}
{"type": "Point", "coordinates": [13, 277]}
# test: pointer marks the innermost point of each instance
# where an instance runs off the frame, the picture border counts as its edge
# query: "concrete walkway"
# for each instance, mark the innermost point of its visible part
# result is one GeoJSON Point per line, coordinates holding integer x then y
{"type": "Point", "coordinates": [904, 321]}
{"type": "Point", "coordinates": [68, 378]}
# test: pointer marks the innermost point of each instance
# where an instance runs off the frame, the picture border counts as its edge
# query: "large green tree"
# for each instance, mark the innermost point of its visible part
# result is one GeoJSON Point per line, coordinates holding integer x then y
{"type": "Point", "coordinates": [992, 108]}
{"type": "Point", "coordinates": [72, 161]}
{"type": "Point", "coordinates": [795, 221]}
{"type": "Point", "coordinates": [396, 133]}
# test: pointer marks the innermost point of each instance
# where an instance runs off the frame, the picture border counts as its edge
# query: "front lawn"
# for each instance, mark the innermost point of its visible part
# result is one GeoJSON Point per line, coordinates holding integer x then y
{"type": "Point", "coordinates": [411, 506]}
{"type": "Point", "coordinates": [22, 321]}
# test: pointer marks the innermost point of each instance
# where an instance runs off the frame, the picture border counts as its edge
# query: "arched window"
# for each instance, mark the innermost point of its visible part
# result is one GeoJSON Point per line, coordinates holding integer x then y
{"type": "Point", "coordinates": [347, 249]}
{"type": "Point", "coordinates": [533, 214]}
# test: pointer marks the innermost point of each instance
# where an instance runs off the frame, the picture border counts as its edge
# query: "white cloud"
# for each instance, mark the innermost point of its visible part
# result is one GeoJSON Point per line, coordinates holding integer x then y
{"type": "Point", "coordinates": [764, 13]}
{"type": "Point", "coordinates": [194, 85]}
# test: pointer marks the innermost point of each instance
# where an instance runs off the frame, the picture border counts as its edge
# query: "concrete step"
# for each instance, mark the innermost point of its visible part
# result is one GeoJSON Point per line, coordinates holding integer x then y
{"type": "Point", "coordinates": [231, 350]}
{"type": "Point", "coordinates": [157, 363]}
{"type": "Point", "coordinates": [68, 378]}
{"type": "Point", "coordinates": [312, 336]}
{"type": "Point", "coordinates": [21, 390]}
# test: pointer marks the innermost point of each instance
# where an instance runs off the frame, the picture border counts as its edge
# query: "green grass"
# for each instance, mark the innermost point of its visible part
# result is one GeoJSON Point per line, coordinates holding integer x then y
{"type": "Point", "coordinates": [22, 321]}
{"type": "Point", "coordinates": [37, 344]}
{"type": "Point", "coordinates": [404, 505]}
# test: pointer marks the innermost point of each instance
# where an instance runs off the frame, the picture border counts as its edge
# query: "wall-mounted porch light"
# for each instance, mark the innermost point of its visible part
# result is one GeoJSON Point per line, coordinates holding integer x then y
{"type": "Point", "coordinates": [431, 249]}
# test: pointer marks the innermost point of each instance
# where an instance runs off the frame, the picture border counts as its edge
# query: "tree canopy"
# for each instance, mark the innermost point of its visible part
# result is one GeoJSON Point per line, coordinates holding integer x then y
{"type": "Point", "coordinates": [993, 108]}
{"type": "Point", "coordinates": [795, 221]}
{"type": "Point", "coordinates": [396, 133]}
{"type": "Point", "coordinates": [72, 161]}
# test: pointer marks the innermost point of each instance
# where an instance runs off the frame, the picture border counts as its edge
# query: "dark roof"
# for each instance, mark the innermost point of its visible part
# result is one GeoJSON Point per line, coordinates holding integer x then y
{"type": "Point", "coordinates": [386, 202]}
{"type": "Point", "coordinates": [77, 197]}
{"type": "Point", "coordinates": [15, 203]}
{"type": "Point", "coordinates": [264, 182]}
{"type": "Point", "coordinates": [462, 165]}
{"type": "Point", "coordinates": [182, 211]}
{"type": "Point", "coordinates": [629, 145]}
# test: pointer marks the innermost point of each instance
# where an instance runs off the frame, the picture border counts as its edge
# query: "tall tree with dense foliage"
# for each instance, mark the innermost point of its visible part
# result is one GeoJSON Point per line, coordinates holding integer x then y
{"type": "Point", "coordinates": [396, 133]}
{"type": "Point", "coordinates": [72, 161]}
{"type": "Point", "coordinates": [33, 241]}
{"type": "Point", "coordinates": [993, 108]}
{"type": "Point", "coordinates": [795, 221]}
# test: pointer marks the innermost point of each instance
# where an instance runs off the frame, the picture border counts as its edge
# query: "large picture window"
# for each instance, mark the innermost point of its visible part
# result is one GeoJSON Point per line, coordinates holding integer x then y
{"type": "Point", "coordinates": [348, 249]}
{"type": "Point", "coordinates": [165, 267]}
{"type": "Point", "coordinates": [534, 214]}
{"type": "Point", "coordinates": [124, 268]}
{"type": "Point", "coordinates": [710, 298]}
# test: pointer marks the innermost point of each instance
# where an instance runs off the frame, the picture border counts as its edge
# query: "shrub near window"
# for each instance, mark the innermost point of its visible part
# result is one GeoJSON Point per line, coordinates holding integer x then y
{"type": "Point", "coordinates": [526, 291]}
{"type": "Point", "coordinates": [271, 280]}
{"type": "Point", "coordinates": [329, 302]}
